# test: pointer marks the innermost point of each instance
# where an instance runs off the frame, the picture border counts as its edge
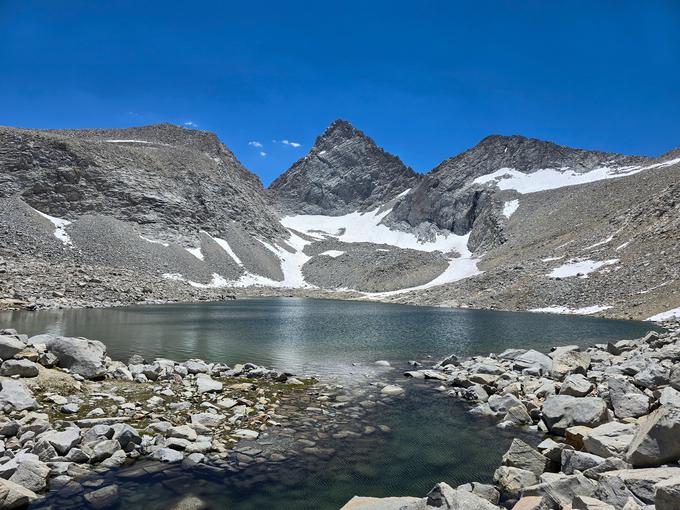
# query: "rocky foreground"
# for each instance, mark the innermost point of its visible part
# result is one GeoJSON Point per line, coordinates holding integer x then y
{"type": "Point", "coordinates": [610, 414]}
{"type": "Point", "coordinates": [68, 411]}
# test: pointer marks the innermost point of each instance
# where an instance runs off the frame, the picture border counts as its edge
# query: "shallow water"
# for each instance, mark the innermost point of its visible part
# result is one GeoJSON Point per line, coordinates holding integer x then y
{"type": "Point", "coordinates": [432, 436]}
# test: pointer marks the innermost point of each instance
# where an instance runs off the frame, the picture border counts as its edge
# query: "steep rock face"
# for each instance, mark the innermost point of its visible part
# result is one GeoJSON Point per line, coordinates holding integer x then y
{"type": "Point", "coordinates": [345, 171]}
{"type": "Point", "coordinates": [169, 180]}
{"type": "Point", "coordinates": [449, 198]}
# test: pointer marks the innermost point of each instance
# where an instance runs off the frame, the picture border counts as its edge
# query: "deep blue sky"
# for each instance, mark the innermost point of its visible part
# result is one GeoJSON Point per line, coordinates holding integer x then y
{"type": "Point", "coordinates": [425, 79]}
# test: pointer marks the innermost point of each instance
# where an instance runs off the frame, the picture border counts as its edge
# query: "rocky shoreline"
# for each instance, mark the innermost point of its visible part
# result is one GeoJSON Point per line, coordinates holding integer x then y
{"type": "Point", "coordinates": [610, 415]}
{"type": "Point", "coordinates": [70, 415]}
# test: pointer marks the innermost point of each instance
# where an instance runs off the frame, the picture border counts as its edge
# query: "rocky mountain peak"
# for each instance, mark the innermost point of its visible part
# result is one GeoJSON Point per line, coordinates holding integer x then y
{"type": "Point", "coordinates": [345, 171]}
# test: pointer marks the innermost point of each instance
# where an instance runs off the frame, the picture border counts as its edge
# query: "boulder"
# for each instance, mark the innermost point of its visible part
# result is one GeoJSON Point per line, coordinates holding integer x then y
{"type": "Point", "coordinates": [15, 496]}
{"type": "Point", "coordinates": [392, 390]}
{"type": "Point", "coordinates": [106, 497]}
{"type": "Point", "coordinates": [9, 346]}
{"type": "Point", "coordinates": [521, 455]}
{"type": "Point", "coordinates": [167, 455]}
{"type": "Point", "coordinates": [207, 419]}
{"type": "Point", "coordinates": [533, 359]}
{"type": "Point", "coordinates": [483, 490]}
{"type": "Point", "coordinates": [573, 461]}
{"type": "Point", "coordinates": [447, 498]}
{"type": "Point", "coordinates": [640, 482]}
{"type": "Point", "coordinates": [657, 441]}
{"type": "Point", "coordinates": [20, 367]}
{"type": "Point", "coordinates": [63, 441]}
{"type": "Point", "coordinates": [518, 415]}
{"type": "Point", "coordinates": [588, 503]}
{"type": "Point", "coordinates": [569, 362]}
{"type": "Point", "coordinates": [576, 385]}
{"type": "Point", "coordinates": [627, 400]}
{"type": "Point", "coordinates": [669, 397]}
{"type": "Point", "coordinates": [563, 411]}
{"type": "Point", "coordinates": [609, 439]}
{"type": "Point", "coordinates": [562, 489]}
{"type": "Point", "coordinates": [207, 384]}
{"type": "Point", "coordinates": [102, 450]}
{"type": "Point", "coordinates": [401, 503]}
{"type": "Point", "coordinates": [16, 394]}
{"type": "Point", "coordinates": [653, 376]}
{"type": "Point", "coordinates": [80, 355]}
{"type": "Point", "coordinates": [502, 403]}
{"type": "Point", "coordinates": [667, 494]}
{"type": "Point", "coordinates": [512, 480]}
{"type": "Point", "coordinates": [126, 435]}
{"type": "Point", "coordinates": [196, 366]}
{"type": "Point", "coordinates": [31, 474]}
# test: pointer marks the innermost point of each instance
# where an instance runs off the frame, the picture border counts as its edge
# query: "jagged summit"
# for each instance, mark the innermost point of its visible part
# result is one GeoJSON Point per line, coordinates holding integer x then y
{"type": "Point", "coordinates": [345, 171]}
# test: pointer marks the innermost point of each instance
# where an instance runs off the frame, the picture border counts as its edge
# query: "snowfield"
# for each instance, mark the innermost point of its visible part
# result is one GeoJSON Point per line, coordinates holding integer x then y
{"type": "Point", "coordinates": [582, 268]}
{"type": "Point", "coordinates": [59, 227]}
{"type": "Point", "coordinates": [550, 178]}
{"type": "Point", "coordinates": [664, 316]}
{"type": "Point", "coordinates": [510, 207]}
{"type": "Point", "coordinates": [571, 311]}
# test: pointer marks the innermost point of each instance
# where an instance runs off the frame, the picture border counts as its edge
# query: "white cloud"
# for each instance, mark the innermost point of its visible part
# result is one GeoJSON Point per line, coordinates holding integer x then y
{"type": "Point", "coordinates": [263, 153]}
{"type": "Point", "coordinates": [190, 124]}
{"type": "Point", "coordinates": [255, 143]}
{"type": "Point", "coordinates": [292, 144]}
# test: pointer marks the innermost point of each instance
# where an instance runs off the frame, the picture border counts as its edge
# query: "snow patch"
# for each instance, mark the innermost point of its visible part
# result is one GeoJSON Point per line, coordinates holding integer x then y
{"type": "Point", "coordinates": [225, 246]}
{"type": "Point", "coordinates": [582, 268]}
{"type": "Point", "coordinates": [550, 259]}
{"type": "Point", "coordinates": [664, 316]}
{"type": "Point", "coordinates": [59, 227]}
{"type": "Point", "coordinates": [622, 246]}
{"type": "Point", "coordinates": [588, 310]}
{"type": "Point", "coordinates": [550, 178]}
{"type": "Point", "coordinates": [196, 252]}
{"type": "Point", "coordinates": [154, 241]}
{"type": "Point", "coordinates": [510, 207]}
{"type": "Point", "coordinates": [217, 281]}
{"type": "Point", "coordinates": [600, 243]}
{"type": "Point", "coordinates": [332, 253]}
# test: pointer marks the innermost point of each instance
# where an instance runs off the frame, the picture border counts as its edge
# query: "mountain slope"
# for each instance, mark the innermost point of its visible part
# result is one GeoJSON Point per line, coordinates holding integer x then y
{"type": "Point", "coordinates": [345, 171]}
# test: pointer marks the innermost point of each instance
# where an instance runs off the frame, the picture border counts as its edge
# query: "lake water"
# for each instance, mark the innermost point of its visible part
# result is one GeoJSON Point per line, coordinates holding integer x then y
{"type": "Point", "coordinates": [432, 436]}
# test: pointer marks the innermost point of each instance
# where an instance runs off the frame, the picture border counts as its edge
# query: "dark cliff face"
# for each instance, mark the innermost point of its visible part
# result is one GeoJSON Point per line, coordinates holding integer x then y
{"type": "Point", "coordinates": [168, 179]}
{"type": "Point", "coordinates": [344, 172]}
{"type": "Point", "coordinates": [449, 198]}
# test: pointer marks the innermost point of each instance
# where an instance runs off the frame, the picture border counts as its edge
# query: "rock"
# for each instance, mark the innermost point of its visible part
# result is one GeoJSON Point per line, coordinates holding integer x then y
{"type": "Point", "coordinates": [103, 449]}
{"type": "Point", "coordinates": [563, 411]}
{"type": "Point", "coordinates": [196, 366]}
{"type": "Point", "coordinates": [207, 419]}
{"type": "Point", "coordinates": [80, 355]}
{"type": "Point", "coordinates": [657, 441]}
{"type": "Point", "coordinates": [382, 363]}
{"type": "Point", "coordinates": [63, 441]}
{"type": "Point", "coordinates": [446, 497]}
{"type": "Point", "coordinates": [15, 496]}
{"type": "Point", "coordinates": [207, 384]}
{"type": "Point", "coordinates": [626, 399]}
{"type": "Point", "coordinates": [392, 390]}
{"type": "Point", "coordinates": [183, 432]}
{"type": "Point", "coordinates": [532, 358]}
{"type": "Point", "coordinates": [531, 503]}
{"type": "Point", "coordinates": [246, 434]}
{"type": "Point", "coordinates": [523, 456]}
{"type": "Point", "coordinates": [669, 396]}
{"type": "Point", "coordinates": [512, 480]}
{"type": "Point", "coordinates": [167, 455]}
{"type": "Point", "coordinates": [9, 346]}
{"type": "Point", "coordinates": [609, 439]}
{"type": "Point", "coordinates": [587, 503]}
{"type": "Point", "coordinates": [70, 408]}
{"type": "Point", "coordinates": [667, 494]}
{"type": "Point", "coordinates": [20, 367]}
{"type": "Point", "coordinates": [403, 503]}
{"type": "Point", "coordinates": [452, 359]}
{"type": "Point", "coordinates": [16, 394]}
{"type": "Point", "coordinates": [653, 376]}
{"type": "Point", "coordinates": [569, 362]}
{"type": "Point", "coordinates": [502, 403]}
{"type": "Point", "coordinates": [31, 474]}
{"type": "Point", "coordinates": [483, 490]}
{"type": "Point", "coordinates": [576, 385]}
{"type": "Point", "coordinates": [609, 464]}
{"type": "Point", "coordinates": [639, 483]}
{"type": "Point", "coordinates": [115, 461]}
{"type": "Point", "coordinates": [476, 393]}
{"type": "Point", "coordinates": [106, 497]}
{"type": "Point", "coordinates": [563, 488]}
{"type": "Point", "coordinates": [125, 435]}
{"type": "Point", "coordinates": [190, 503]}
{"type": "Point", "coordinates": [518, 415]}
{"type": "Point", "coordinates": [573, 461]}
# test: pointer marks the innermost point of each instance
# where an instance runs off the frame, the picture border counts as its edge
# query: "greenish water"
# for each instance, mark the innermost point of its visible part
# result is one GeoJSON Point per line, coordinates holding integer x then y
{"type": "Point", "coordinates": [432, 436]}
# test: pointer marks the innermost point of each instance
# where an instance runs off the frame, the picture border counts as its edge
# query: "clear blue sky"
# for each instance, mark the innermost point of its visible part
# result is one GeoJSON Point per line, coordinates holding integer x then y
{"type": "Point", "coordinates": [425, 79]}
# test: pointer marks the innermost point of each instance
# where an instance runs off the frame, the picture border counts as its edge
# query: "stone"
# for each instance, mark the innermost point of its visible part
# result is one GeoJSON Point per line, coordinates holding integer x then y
{"type": "Point", "coordinates": [63, 441]}
{"type": "Point", "coordinates": [501, 403]}
{"type": "Point", "coordinates": [392, 390]}
{"type": "Point", "coordinates": [103, 449]}
{"type": "Point", "coordinates": [573, 461]}
{"type": "Point", "coordinates": [609, 439]}
{"type": "Point", "coordinates": [639, 482]}
{"type": "Point", "coordinates": [444, 496]}
{"type": "Point", "coordinates": [183, 432]}
{"type": "Point", "coordinates": [569, 362]}
{"type": "Point", "coordinates": [562, 489]}
{"type": "Point", "coordinates": [476, 393]}
{"type": "Point", "coordinates": [532, 358]}
{"type": "Point", "coordinates": [196, 366]}
{"type": "Point", "coordinates": [657, 441]}
{"type": "Point", "coordinates": [576, 385]}
{"type": "Point", "coordinates": [9, 346]}
{"type": "Point", "coordinates": [15, 496]}
{"type": "Point", "coordinates": [125, 435]}
{"type": "Point", "coordinates": [190, 503]}
{"type": "Point", "coordinates": [563, 411]}
{"type": "Point", "coordinates": [44, 450]}
{"type": "Point", "coordinates": [207, 419]}
{"type": "Point", "coordinates": [626, 399]}
{"type": "Point", "coordinates": [518, 415]}
{"type": "Point", "coordinates": [17, 395]}
{"type": "Point", "coordinates": [398, 503]}
{"type": "Point", "coordinates": [20, 367]}
{"type": "Point", "coordinates": [246, 434]}
{"type": "Point", "coordinates": [521, 455]}
{"type": "Point", "coordinates": [116, 460]}
{"type": "Point", "coordinates": [667, 494]}
{"type": "Point", "coordinates": [70, 408]}
{"type": "Point", "coordinates": [653, 376]}
{"type": "Point", "coordinates": [106, 497]}
{"type": "Point", "coordinates": [80, 355]}
{"type": "Point", "coordinates": [588, 503]}
{"type": "Point", "coordinates": [167, 455]}
{"type": "Point", "coordinates": [207, 384]}
{"type": "Point", "coordinates": [530, 503]}
{"type": "Point", "coordinates": [669, 396]}
{"type": "Point", "coordinates": [512, 480]}
{"type": "Point", "coordinates": [483, 490]}
{"type": "Point", "coordinates": [609, 464]}
{"type": "Point", "coordinates": [31, 474]}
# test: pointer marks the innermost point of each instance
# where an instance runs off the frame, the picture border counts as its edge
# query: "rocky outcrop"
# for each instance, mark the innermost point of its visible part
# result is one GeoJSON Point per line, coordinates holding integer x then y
{"type": "Point", "coordinates": [345, 171]}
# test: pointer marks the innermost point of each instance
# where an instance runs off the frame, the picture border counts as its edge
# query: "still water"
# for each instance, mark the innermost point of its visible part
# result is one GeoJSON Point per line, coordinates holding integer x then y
{"type": "Point", "coordinates": [432, 436]}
